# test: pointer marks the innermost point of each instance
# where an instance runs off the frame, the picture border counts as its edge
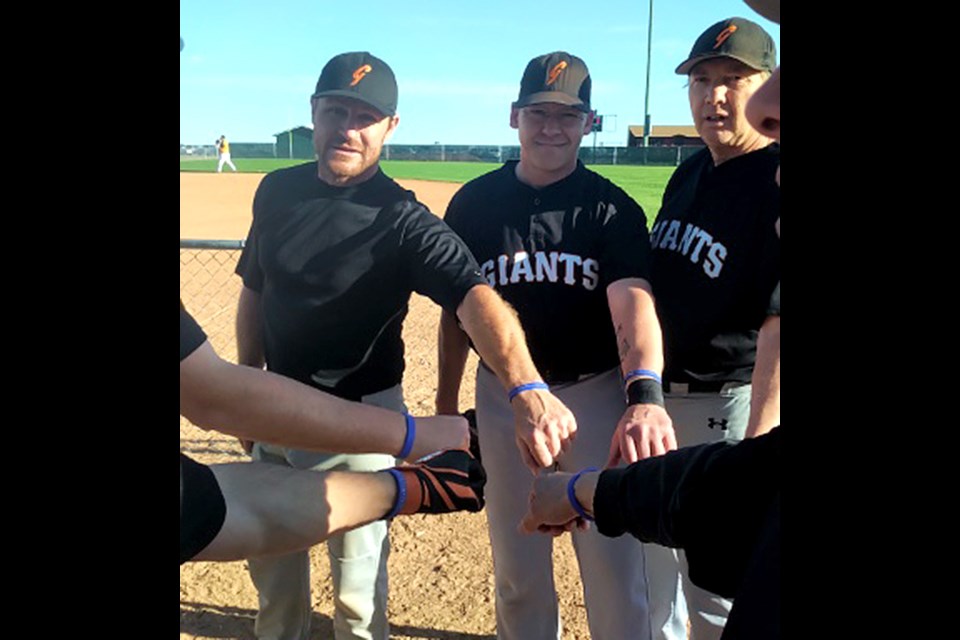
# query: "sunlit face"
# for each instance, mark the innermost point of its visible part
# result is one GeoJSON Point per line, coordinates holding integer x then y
{"type": "Point", "coordinates": [550, 136]}
{"type": "Point", "coordinates": [719, 91]}
{"type": "Point", "coordinates": [348, 136]}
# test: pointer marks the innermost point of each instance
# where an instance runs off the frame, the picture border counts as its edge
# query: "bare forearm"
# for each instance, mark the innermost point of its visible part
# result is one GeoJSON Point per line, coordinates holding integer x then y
{"type": "Point", "coordinates": [639, 339]}
{"type": "Point", "coordinates": [257, 405]}
{"type": "Point", "coordinates": [765, 393]}
{"type": "Point", "coordinates": [249, 329]}
{"type": "Point", "coordinates": [498, 337]}
{"type": "Point", "coordinates": [273, 509]}
{"type": "Point", "coordinates": [453, 348]}
{"type": "Point", "coordinates": [544, 425]}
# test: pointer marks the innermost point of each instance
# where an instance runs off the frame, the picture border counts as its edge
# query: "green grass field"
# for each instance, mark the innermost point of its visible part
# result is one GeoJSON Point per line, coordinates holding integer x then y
{"type": "Point", "coordinates": [644, 184]}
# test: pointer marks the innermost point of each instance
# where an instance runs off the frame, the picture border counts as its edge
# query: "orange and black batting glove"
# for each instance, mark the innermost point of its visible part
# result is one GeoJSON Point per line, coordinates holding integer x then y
{"type": "Point", "coordinates": [447, 481]}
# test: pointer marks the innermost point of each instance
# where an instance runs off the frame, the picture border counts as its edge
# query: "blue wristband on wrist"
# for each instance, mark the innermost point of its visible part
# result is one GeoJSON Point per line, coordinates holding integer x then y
{"type": "Point", "coordinates": [526, 387]}
{"type": "Point", "coordinates": [409, 438]}
{"type": "Point", "coordinates": [401, 493]}
{"type": "Point", "coordinates": [637, 373]}
{"type": "Point", "coordinates": [572, 494]}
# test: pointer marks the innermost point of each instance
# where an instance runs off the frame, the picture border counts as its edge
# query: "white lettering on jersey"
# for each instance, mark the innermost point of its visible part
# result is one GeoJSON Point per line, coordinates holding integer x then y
{"type": "Point", "coordinates": [695, 243]}
{"type": "Point", "coordinates": [546, 266]}
{"type": "Point", "coordinates": [502, 262]}
{"type": "Point", "coordinates": [542, 267]}
{"type": "Point", "coordinates": [714, 262]}
{"type": "Point", "coordinates": [521, 267]}
{"type": "Point", "coordinates": [487, 270]}
{"type": "Point", "coordinates": [591, 274]}
{"type": "Point", "coordinates": [670, 237]}
{"type": "Point", "coordinates": [570, 261]}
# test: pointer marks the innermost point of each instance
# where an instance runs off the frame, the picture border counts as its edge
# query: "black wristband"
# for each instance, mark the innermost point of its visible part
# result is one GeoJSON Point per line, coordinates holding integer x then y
{"type": "Point", "coordinates": [645, 391]}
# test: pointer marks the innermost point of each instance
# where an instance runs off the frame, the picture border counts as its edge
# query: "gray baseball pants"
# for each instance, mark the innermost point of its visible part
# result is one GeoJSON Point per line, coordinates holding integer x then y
{"type": "Point", "coordinates": [358, 558]}
{"type": "Point", "coordinates": [611, 569]}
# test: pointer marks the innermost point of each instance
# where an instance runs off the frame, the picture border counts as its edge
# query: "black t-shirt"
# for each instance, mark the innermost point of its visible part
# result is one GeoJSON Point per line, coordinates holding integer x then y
{"type": "Point", "coordinates": [335, 268]}
{"type": "Point", "coordinates": [551, 253]}
{"type": "Point", "coordinates": [716, 264]}
{"type": "Point", "coordinates": [191, 335]}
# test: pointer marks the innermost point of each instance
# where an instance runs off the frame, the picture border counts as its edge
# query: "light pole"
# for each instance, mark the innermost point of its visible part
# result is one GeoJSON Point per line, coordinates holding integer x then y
{"type": "Point", "coordinates": [646, 99]}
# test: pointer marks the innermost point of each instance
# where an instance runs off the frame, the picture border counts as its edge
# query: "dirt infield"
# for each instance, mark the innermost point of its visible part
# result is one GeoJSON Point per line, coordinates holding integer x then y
{"type": "Point", "coordinates": [441, 572]}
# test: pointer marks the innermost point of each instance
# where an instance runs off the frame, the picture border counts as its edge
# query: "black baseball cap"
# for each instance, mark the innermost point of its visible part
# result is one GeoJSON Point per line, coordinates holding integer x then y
{"type": "Point", "coordinates": [769, 9]}
{"type": "Point", "coordinates": [555, 77]}
{"type": "Point", "coordinates": [736, 38]}
{"type": "Point", "coordinates": [361, 76]}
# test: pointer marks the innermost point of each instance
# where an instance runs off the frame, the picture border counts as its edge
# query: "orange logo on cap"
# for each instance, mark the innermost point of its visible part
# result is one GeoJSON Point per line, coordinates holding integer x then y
{"type": "Point", "coordinates": [726, 33]}
{"type": "Point", "coordinates": [359, 73]}
{"type": "Point", "coordinates": [555, 72]}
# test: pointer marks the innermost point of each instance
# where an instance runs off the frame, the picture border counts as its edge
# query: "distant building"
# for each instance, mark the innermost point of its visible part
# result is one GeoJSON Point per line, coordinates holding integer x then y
{"type": "Point", "coordinates": [295, 143]}
{"type": "Point", "coordinates": [665, 136]}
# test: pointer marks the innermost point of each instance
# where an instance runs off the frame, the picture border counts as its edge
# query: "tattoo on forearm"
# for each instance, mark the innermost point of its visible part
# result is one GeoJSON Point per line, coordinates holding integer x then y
{"type": "Point", "coordinates": [623, 345]}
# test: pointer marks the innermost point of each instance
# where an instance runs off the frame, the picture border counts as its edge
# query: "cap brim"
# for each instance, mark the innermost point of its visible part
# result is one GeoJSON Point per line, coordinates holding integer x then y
{"type": "Point", "coordinates": [769, 9]}
{"type": "Point", "coordinates": [687, 66]}
{"type": "Point", "coordinates": [556, 97]}
{"type": "Point", "coordinates": [341, 93]}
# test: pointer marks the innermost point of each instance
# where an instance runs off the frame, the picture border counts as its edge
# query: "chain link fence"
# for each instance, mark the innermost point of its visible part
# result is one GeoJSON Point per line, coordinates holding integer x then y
{"type": "Point", "coordinates": [210, 289]}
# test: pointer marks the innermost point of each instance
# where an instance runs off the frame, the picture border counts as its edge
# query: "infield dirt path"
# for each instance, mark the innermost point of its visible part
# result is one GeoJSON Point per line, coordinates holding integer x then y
{"type": "Point", "coordinates": [441, 571]}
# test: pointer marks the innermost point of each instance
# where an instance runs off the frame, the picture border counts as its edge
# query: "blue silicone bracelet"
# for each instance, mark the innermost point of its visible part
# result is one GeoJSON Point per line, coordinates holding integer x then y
{"type": "Point", "coordinates": [410, 437]}
{"type": "Point", "coordinates": [637, 373]}
{"type": "Point", "coordinates": [526, 387]}
{"type": "Point", "coordinates": [572, 494]}
{"type": "Point", "coordinates": [401, 493]}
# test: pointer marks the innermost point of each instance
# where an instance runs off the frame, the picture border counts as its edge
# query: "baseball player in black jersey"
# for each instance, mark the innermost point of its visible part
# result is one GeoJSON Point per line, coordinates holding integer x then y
{"type": "Point", "coordinates": [569, 251]}
{"type": "Point", "coordinates": [235, 511]}
{"type": "Point", "coordinates": [715, 269]}
{"type": "Point", "coordinates": [334, 252]}
{"type": "Point", "coordinates": [689, 498]}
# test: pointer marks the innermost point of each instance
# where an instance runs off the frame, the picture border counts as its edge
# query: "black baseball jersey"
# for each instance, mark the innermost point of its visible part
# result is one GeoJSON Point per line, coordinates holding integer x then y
{"type": "Point", "coordinates": [716, 264]}
{"type": "Point", "coordinates": [551, 253]}
{"type": "Point", "coordinates": [191, 335]}
{"type": "Point", "coordinates": [335, 268]}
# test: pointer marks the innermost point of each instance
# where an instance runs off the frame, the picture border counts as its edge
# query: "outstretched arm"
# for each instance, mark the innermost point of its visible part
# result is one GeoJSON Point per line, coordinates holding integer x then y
{"type": "Point", "coordinates": [273, 509]}
{"type": "Point", "coordinates": [765, 390]}
{"type": "Point", "coordinates": [257, 405]}
{"type": "Point", "coordinates": [544, 425]}
{"type": "Point", "coordinates": [645, 429]}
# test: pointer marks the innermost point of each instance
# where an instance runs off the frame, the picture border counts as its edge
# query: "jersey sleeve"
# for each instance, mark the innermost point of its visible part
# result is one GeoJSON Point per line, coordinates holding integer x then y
{"type": "Point", "coordinates": [774, 308]}
{"type": "Point", "coordinates": [248, 266]}
{"type": "Point", "coordinates": [452, 217]}
{"type": "Point", "coordinates": [191, 335]}
{"type": "Point", "coordinates": [441, 266]}
{"type": "Point", "coordinates": [627, 241]}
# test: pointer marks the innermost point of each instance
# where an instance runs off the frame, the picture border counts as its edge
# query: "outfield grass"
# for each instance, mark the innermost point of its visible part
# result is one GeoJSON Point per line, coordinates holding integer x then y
{"type": "Point", "coordinates": [644, 184]}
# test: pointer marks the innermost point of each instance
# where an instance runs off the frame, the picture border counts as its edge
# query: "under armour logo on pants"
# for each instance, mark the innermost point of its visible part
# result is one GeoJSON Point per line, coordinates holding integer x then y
{"type": "Point", "coordinates": [713, 423]}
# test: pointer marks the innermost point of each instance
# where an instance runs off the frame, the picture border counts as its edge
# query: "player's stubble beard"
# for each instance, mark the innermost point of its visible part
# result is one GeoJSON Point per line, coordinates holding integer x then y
{"type": "Point", "coordinates": [360, 167]}
{"type": "Point", "coordinates": [342, 174]}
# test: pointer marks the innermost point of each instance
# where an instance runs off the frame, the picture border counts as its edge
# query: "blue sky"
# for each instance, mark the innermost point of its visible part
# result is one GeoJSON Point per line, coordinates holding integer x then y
{"type": "Point", "coordinates": [249, 66]}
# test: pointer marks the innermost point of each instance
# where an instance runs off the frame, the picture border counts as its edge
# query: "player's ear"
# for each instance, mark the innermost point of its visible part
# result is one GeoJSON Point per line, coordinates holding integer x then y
{"type": "Point", "coordinates": [514, 118]}
{"type": "Point", "coordinates": [588, 125]}
{"type": "Point", "coordinates": [392, 124]}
